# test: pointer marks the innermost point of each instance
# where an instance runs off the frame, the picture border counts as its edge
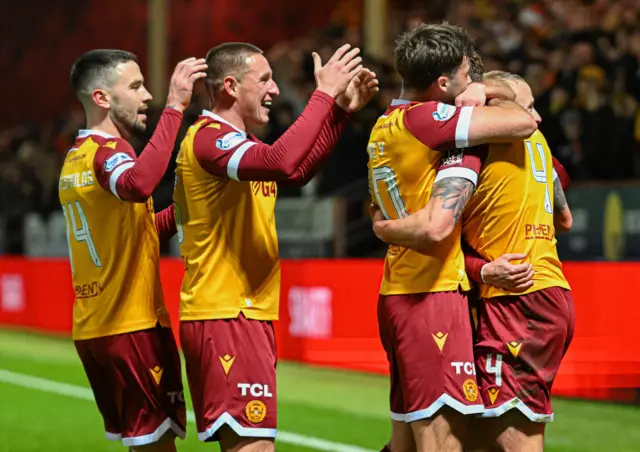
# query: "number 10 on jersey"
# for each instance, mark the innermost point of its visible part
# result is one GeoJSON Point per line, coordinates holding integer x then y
{"type": "Point", "coordinates": [80, 231]}
{"type": "Point", "coordinates": [387, 175]}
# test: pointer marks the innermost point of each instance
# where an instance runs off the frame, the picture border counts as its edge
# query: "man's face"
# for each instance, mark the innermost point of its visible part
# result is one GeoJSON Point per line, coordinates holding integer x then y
{"type": "Point", "coordinates": [524, 98]}
{"type": "Point", "coordinates": [129, 98]}
{"type": "Point", "coordinates": [256, 89]}
{"type": "Point", "coordinates": [457, 82]}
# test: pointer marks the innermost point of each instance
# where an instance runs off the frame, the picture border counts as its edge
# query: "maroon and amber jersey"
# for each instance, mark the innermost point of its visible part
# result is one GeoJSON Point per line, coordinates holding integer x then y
{"type": "Point", "coordinates": [113, 244]}
{"type": "Point", "coordinates": [226, 227]}
{"type": "Point", "coordinates": [407, 155]}
{"type": "Point", "coordinates": [512, 211]}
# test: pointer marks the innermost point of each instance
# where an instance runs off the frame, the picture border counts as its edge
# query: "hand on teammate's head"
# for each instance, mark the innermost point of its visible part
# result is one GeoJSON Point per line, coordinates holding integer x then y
{"type": "Point", "coordinates": [186, 73]}
{"type": "Point", "coordinates": [334, 77]}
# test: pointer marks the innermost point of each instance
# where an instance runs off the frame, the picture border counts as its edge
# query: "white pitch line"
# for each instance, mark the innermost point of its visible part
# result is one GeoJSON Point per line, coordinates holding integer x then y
{"type": "Point", "coordinates": [82, 393]}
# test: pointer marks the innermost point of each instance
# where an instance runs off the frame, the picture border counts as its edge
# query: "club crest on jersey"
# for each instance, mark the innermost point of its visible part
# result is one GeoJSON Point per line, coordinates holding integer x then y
{"type": "Point", "coordinates": [443, 112]}
{"type": "Point", "coordinates": [115, 160]}
{"type": "Point", "coordinates": [229, 140]}
{"type": "Point", "coordinates": [453, 158]}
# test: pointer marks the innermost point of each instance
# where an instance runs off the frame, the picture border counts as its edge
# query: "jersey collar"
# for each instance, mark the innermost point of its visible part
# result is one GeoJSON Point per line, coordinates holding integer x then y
{"type": "Point", "coordinates": [396, 102]}
{"type": "Point", "coordinates": [85, 133]}
{"type": "Point", "coordinates": [221, 119]}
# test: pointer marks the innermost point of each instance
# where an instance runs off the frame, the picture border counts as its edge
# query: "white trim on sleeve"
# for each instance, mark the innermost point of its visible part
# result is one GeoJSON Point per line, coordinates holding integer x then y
{"type": "Point", "coordinates": [234, 161]}
{"type": "Point", "coordinates": [466, 173]}
{"type": "Point", "coordinates": [463, 126]}
{"type": "Point", "coordinates": [115, 175]}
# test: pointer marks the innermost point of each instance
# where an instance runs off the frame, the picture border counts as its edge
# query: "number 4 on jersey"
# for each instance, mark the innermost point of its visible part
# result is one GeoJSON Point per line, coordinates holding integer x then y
{"type": "Point", "coordinates": [80, 232]}
{"type": "Point", "coordinates": [540, 175]}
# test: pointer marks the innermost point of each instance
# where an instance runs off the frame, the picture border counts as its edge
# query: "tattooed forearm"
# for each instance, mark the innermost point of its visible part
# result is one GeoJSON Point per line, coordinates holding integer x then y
{"type": "Point", "coordinates": [454, 193]}
{"type": "Point", "coordinates": [559, 200]}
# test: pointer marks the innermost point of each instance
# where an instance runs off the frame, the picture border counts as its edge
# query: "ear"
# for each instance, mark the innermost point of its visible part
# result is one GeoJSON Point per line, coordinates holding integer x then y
{"type": "Point", "coordinates": [101, 98]}
{"type": "Point", "coordinates": [442, 83]}
{"type": "Point", "coordinates": [230, 85]}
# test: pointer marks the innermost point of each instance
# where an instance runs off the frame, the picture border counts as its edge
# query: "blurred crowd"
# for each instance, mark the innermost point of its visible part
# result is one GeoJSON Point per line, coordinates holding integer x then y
{"type": "Point", "coordinates": [581, 58]}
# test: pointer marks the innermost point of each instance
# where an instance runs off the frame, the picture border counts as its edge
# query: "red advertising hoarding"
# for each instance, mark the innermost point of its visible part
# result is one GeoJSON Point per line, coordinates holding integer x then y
{"type": "Point", "coordinates": [328, 316]}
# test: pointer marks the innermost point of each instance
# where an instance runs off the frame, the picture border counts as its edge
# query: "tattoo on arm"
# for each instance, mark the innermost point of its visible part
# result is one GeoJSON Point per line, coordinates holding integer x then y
{"type": "Point", "coordinates": [454, 193]}
{"type": "Point", "coordinates": [559, 199]}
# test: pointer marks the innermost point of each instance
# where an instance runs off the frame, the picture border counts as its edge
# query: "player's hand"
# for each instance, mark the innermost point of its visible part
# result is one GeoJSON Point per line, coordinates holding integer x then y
{"type": "Point", "coordinates": [474, 96]}
{"type": "Point", "coordinates": [184, 76]}
{"type": "Point", "coordinates": [359, 92]}
{"type": "Point", "coordinates": [334, 77]}
{"type": "Point", "coordinates": [513, 277]}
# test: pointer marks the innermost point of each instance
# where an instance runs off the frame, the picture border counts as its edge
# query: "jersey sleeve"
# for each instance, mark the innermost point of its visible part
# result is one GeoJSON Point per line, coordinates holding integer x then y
{"type": "Point", "coordinates": [329, 135]}
{"type": "Point", "coordinates": [465, 163]}
{"type": "Point", "coordinates": [225, 152]}
{"type": "Point", "coordinates": [134, 179]}
{"type": "Point", "coordinates": [439, 126]}
{"type": "Point", "coordinates": [166, 224]}
{"type": "Point", "coordinates": [112, 159]}
{"type": "Point", "coordinates": [473, 263]}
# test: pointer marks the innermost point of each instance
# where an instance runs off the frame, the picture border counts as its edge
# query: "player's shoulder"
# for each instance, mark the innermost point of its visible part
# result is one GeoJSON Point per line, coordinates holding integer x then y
{"type": "Point", "coordinates": [222, 135]}
{"type": "Point", "coordinates": [109, 142]}
{"type": "Point", "coordinates": [438, 111]}
{"type": "Point", "coordinates": [112, 152]}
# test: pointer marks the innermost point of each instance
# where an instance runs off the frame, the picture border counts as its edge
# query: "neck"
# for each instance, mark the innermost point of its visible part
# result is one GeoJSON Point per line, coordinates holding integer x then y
{"type": "Point", "coordinates": [103, 123]}
{"type": "Point", "coordinates": [430, 94]}
{"type": "Point", "coordinates": [229, 113]}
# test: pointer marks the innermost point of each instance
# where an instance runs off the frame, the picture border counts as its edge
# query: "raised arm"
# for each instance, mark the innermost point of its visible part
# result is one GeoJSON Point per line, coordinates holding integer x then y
{"type": "Point", "coordinates": [226, 153]}
{"type": "Point", "coordinates": [359, 92]}
{"type": "Point", "coordinates": [236, 156]}
{"type": "Point", "coordinates": [134, 179]}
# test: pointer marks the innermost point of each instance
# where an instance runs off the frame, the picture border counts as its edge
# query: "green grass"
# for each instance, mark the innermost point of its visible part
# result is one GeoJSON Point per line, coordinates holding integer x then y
{"type": "Point", "coordinates": [344, 407]}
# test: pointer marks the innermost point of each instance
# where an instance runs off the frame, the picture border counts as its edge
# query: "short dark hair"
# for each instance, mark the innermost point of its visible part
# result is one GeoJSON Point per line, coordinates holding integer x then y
{"type": "Point", "coordinates": [93, 69]}
{"type": "Point", "coordinates": [228, 59]}
{"type": "Point", "coordinates": [429, 51]}
{"type": "Point", "coordinates": [476, 67]}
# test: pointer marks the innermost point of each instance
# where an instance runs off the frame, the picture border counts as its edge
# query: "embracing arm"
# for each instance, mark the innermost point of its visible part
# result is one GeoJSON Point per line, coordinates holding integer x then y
{"type": "Point", "coordinates": [432, 224]}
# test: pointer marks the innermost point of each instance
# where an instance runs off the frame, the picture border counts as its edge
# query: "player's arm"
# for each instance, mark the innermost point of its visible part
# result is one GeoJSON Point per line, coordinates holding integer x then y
{"type": "Point", "coordinates": [431, 225]}
{"type": "Point", "coordinates": [359, 92]}
{"type": "Point", "coordinates": [247, 160]}
{"type": "Point", "coordinates": [134, 179]}
{"type": "Point", "coordinates": [500, 120]}
{"type": "Point", "coordinates": [499, 273]}
{"type": "Point", "coordinates": [562, 218]}
{"type": "Point", "coordinates": [166, 224]}
{"type": "Point", "coordinates": [455, 183]}
{"type": "Point", "coordinates": [320, 151]}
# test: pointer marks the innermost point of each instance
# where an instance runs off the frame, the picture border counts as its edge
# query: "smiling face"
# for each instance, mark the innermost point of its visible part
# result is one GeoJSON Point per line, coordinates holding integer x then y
{"type": "Point", "coordinates": [255, 90]}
